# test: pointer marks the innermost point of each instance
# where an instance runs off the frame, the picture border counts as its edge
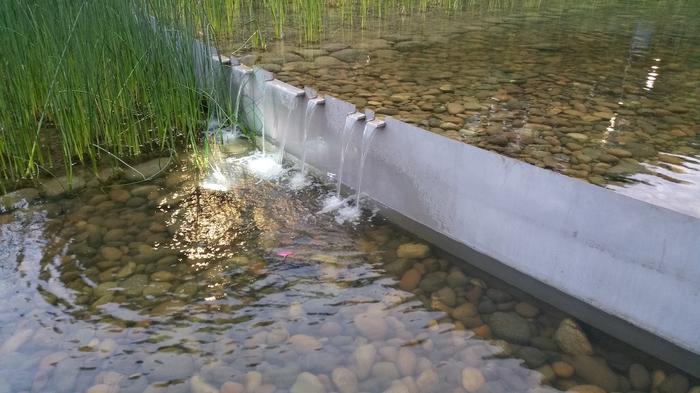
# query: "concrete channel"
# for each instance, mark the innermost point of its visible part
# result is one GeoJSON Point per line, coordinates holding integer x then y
{"type": "Point", "coordinates": [629, 268]}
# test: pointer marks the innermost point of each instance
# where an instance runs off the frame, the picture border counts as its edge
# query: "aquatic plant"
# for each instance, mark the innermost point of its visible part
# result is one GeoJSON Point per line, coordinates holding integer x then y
{"type": "Point", "coordinates": [244, 21]}
{"type": "Point", "coordinates": [309, 15]}
{"type": "Point", "coordinates": [89, 80]}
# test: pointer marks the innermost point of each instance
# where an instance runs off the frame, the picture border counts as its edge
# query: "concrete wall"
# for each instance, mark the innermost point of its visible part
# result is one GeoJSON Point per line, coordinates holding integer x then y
{"type": "Point", "coordinates": [635, 264]}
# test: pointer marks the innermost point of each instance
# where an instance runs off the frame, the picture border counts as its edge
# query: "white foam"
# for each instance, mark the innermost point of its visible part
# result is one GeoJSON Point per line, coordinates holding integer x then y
{"type": "Point", "coordinates": [218, 180]}
{"type": "Point", "coordinates": [331, 203]}
{"type": "Point", "coordinates": [348, 214]}
{"type": "Point", "coordinates": [263, 166]}
{"type": "Point", "coordinates": [299, 181]}
{"type": "Point", "coordinates": [343, 211]}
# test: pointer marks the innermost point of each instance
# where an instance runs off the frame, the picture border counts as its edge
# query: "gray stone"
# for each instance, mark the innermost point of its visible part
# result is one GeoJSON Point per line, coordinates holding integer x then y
{"type": "Point", "coordinates": [674, 383]}
{"type": "Point", "coordinates": [164, 387]}
{"type": "Point", "coordinates": [334, 46]}
{"type": "Point", "coordinates": [148, 170]}
{"type": "Point", "coordinates": [533, 357]}
{"type": "Point", "coordinates": [65, 374]}
{"type": "Point", "coordinates": [298, 66]}
{"type": "Point", "coordinates": [457, 279]}
{"type": "Point", "coordinates": [310, 53]}
{"type": "Point", "coordinates": [372, 326]}
{"type": "Point", "coordinates": [510, 327]}
{"type": "Point", "coordinates": [307, 383]}
{"type": "Point", "coordinates": [134, 285]}
{"type": "Point", "coordinates": [446, 296]}
{"type": "Point", "coordinates": [321, 362]}
{"type": "Point", "coordinates": [349, 55]}
{"type": "Point", "coordinates": [433, 281]}
{"type": "Point", "coordinates": [498, 295]}
{"type": "Point", "coordinates": [626, 168]}
{"type": "Point", "coordinates": [406, 46]}
{"type": "Point", "coordinates": [58, 186]}
{"type": "Point", "coordinates": [596, 371]}
{"type": "Point", "coordinates": [487, 306]}
{"type": "Point", "coordinates": [156, 288]}
{"type": "Point", "coordinates": [639, 377]}
{"type": "Point", "coordinates": [386, 371]}
{"type": "Point", "coordinates": [166, 366]}
{"type": "Point", "coordinates": [375, 43]}
{"type": "Point", "coordinates": [544, 343]}
{"type": "Point", "coordinates": [571, 338]}
{"type": "Point", "coordinates": [364, 357]}
{"type": "Point", "coordinates": [399, 266]}
{"type": "Point", "coordinates": [282, 376]}
{"type": "Point", "coordinates": [19, 199]}
{"type": "Point", "coordinates": [328, 61]}
{"type": "Point", "coordinates": [272, 67]}
{"type": "Point", "coordinates": [345, 380]}
{"type": "Point", "coordinates": [249, 60]}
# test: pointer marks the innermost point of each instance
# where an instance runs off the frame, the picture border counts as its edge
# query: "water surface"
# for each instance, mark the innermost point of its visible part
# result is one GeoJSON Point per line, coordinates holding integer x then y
{"type": "Point", "coordinates": [235, 283]}
{"type": "Point", "coordinates": [606, 92]}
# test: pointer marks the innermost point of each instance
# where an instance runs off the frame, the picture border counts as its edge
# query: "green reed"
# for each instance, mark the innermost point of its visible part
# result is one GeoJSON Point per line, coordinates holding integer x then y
{"type": "Point", "coordinates": [278, 11]}
{"type": "Point", "coordinates": [309, 14]}
{"type": "Point", "coordinates": [248, 20]}
{"type": "Point", "coordinates": [87, 80]}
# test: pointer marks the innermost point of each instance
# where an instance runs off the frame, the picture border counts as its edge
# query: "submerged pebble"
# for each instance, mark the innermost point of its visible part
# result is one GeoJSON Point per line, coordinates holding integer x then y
{"type": "Point", "coordinates": [239, 292]}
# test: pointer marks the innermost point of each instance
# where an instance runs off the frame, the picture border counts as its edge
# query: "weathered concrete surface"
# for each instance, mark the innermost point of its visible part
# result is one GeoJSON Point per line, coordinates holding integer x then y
{"type": "Point", "coordinates": [636, 263]}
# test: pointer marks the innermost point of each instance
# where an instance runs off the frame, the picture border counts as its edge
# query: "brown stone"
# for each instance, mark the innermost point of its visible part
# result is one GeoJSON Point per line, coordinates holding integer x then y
{"type": "Point", "coordinates": [410, 280]}
{"type": "Point", "coordinates": [563, 369]}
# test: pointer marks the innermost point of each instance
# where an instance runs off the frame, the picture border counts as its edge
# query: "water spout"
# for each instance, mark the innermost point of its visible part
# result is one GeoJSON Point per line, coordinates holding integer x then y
{"type": "Point", "coordinates": [345, 137]}
{"type": "Point", "coordinates": [367, 136]}
{"type": "Point", "coordinates": [262, 115]}
{"type": "Point", "coordinates": [292, 107]}
{"type": "Point", "coordinates": [245, 77]}
{"type": "Point", "coordinates": [264, 77]}
{"type": "Point", "coordinates": [311, 107]}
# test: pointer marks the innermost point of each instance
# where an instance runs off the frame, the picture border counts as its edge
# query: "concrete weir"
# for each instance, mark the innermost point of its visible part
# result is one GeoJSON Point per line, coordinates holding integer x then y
{"type": "Point", "coordinates": [622, 265]}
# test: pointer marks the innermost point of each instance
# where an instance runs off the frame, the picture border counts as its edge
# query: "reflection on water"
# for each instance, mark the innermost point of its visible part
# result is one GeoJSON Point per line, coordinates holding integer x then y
{"type": "Point", "coordinates": [173, 287]}
{"type": "Point", "coordinates": [675, 183]}
{"type": "Point", "coordinates": [593, 90]}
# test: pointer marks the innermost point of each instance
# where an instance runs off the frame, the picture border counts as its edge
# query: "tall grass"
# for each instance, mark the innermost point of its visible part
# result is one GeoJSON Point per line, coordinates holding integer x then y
{"type": "Point", "coordinates": [83, 80]}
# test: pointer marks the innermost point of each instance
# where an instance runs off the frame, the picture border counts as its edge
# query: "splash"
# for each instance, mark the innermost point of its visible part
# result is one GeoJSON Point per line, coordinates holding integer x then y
{"type": "Point", "coordinates": [299, 181]}
{"type": "Point", "coordinates": [262, 166]}
{"type": "Point", "coordinates": [343, 211]}
{"type": "Point", "coordinates": [218, 180]}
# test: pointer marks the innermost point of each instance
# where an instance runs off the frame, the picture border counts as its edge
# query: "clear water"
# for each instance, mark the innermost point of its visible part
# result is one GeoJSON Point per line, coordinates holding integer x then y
{"type": "Point", "coordinates": [607, 92]}
{"type": "Point", "coordinates": [232, 281]}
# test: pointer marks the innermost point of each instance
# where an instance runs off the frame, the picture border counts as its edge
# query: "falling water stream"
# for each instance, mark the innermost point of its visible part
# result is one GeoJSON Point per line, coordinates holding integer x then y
{"type": "Point", "coordinates": [292, 107]}
{"type": "Point", "coordinates": [262, 116]}
{"type": "Point", "coordinates": [311, 107]}
{"type": "Point", "coordinates": [244, 81]}
{"type": "Point", "coordinates": [350, 122]}
{"type": "Point", "coordinates": [367, 136]}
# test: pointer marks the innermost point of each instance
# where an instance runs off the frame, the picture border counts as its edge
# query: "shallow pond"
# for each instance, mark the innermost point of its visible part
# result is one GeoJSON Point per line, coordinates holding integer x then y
{"type": "Point", "coordinates": [602, 91]}
{"type": "Point", "coordinates": [245, 280]}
